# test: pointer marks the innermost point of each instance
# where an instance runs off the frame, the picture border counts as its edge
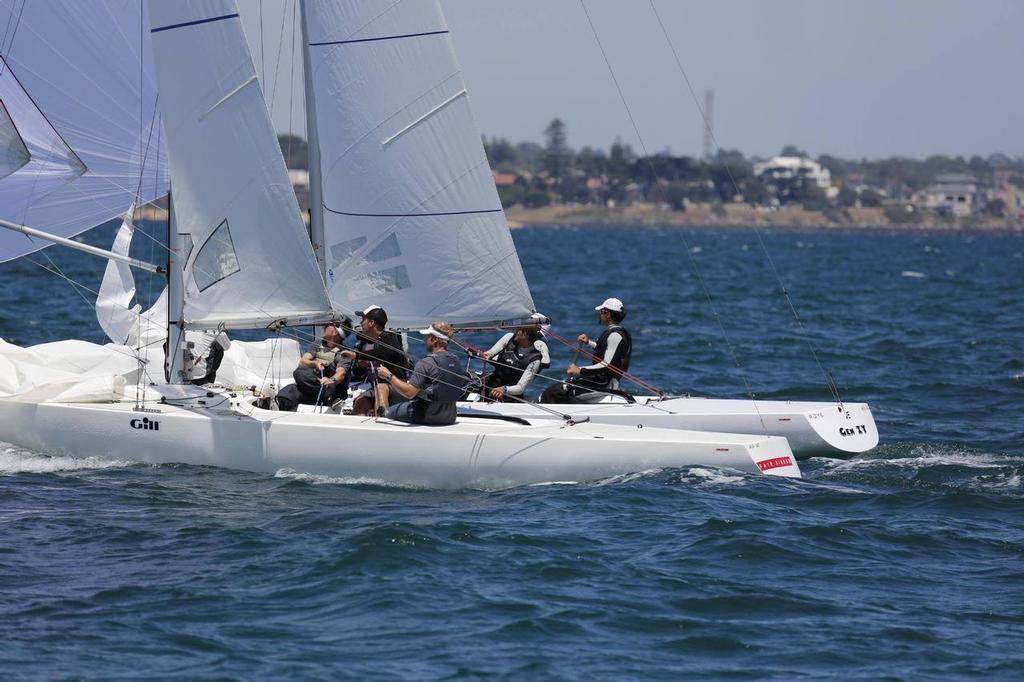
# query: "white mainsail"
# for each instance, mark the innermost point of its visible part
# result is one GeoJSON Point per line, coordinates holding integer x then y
{"type": "Point", "coordinates": [249, 260]}
{"type": "Point", "coordinates": [411, 217]}
{"type": "Point", "coordinates": [77, 81]}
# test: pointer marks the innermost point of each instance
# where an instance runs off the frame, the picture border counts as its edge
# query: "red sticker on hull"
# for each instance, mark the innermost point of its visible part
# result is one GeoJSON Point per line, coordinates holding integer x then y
{"type": "Point", "coordinates": [774, 463]}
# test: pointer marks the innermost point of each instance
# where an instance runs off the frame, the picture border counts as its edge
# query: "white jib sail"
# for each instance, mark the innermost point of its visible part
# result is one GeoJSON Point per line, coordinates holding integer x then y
{"type": "Point", "coordinates": [412, 219]}
{"type": "Point", "coordinates": [78, 84]}
{"type": "Point", "coordinates": [250, 262]}
{"type": "Point", "coordinates": [114, 311]}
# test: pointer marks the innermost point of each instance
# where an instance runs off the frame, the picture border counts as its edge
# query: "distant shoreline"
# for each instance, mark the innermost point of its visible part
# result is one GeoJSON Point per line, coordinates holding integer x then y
{"type": "Point", "coordinates": [702, 216]}
{"type": "Point", "coordinates": [740, 217]}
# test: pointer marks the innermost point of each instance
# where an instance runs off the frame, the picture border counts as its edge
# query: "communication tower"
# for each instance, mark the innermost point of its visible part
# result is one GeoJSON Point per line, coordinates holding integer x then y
{"type": "Point", "coordinates": [708, 124]}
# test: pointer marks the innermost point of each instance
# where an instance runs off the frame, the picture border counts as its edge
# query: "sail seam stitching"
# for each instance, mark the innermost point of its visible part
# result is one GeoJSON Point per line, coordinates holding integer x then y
{"type": "Point", "coordinates": [373, 40]}
{"type": "Point", "coordinates": [410, 215]}
{"type": "Point", "coordinates": [193, 23]}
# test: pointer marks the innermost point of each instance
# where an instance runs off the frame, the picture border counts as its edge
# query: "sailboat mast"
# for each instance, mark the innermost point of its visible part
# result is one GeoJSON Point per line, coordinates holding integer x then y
{"type": "Point", "coordinates": [175, 363]}
{"type": "Point", "coordinates": [316, 204]}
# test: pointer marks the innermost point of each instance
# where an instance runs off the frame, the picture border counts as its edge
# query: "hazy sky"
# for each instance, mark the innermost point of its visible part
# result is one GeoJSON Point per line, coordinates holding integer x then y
{"type": "Point", "coordinates": [864, 78]}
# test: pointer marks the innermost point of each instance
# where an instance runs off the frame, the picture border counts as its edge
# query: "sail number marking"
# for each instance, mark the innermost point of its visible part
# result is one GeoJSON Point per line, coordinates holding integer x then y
{"type": "Point", "coordinates": [852, 430]}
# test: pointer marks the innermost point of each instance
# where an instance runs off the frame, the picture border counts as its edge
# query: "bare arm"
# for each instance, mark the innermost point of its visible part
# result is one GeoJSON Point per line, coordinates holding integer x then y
{"type": "Point", "coordinates": [403, 387]}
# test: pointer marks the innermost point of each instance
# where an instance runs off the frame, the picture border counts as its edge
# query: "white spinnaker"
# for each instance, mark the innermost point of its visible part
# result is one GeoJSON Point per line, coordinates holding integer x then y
{"type": "Point", "coordinates": [48, 165]}
{"type": "Point", "coordinates": [250, 260]}
{"type": "Point", "coordinates": [412, 220]}
{"type": "Point", "coordinates": [13, 152]}
{"type": "Point", "coordinates": [88, 69]}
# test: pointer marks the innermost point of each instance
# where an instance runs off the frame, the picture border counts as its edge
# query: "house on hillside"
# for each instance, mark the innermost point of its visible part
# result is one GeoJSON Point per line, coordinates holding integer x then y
{"type": "Point", "coordinates": [955, 193]}
{"type": "Point", "coordinates": [782, 173]}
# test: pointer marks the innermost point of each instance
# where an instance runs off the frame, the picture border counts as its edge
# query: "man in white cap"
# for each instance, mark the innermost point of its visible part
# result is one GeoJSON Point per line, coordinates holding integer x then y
{"type": "Point", "coordinates": [613, 348]}
{"type": "Point", "coordinates": [437, 382]}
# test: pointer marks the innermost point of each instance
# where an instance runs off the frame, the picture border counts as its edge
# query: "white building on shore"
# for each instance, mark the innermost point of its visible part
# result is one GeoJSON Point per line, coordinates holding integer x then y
{"type": "Point", "coordinates": [785, 169]}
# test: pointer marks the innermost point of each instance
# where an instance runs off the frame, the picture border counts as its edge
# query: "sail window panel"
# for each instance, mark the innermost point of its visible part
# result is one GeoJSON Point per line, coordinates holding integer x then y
{"type": "Point", "coordinates": [342, 251]}
{"type": "Point", "coordinates": [380, 282]}
{"type": "Point", "coordinates": [388, 248]}
{"type": "Point", "coordinates": [216, 259]}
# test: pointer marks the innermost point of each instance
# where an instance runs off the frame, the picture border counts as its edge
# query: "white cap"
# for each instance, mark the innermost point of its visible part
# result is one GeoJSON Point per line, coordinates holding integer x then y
{"type": "Point", "coordinates": [362, 313]}
{"type": "Point", "coordinates": [612, 304]}
{"type": "Point", "coordinates": [430, 331]}
{"type": "Point", "coordinates": [545, 323]}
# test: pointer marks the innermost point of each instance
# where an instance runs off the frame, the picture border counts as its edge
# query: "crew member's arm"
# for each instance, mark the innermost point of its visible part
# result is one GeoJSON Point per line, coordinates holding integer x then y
{"type": "Point", "coordinates": [308, 360]}
{"type": "Point", "coordinates": [518, 389]}
{"type": "Point", "coordinates": [613, 344]}
{"type": "Point", "coordinates": [338, 376]}
{"type": "Point", "coordinates": [400, 385]}
{"type": "Point", "coordinates": [496, 348]}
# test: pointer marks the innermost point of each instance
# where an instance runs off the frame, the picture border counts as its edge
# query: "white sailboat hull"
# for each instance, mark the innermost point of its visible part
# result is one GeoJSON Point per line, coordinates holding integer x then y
{"type": "Point", "coordinates": [813, 429]}
{"type": "Point", "coordinates": [474, 453]}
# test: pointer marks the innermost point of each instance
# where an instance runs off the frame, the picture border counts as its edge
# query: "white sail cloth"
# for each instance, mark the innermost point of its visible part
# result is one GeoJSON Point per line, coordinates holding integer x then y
{"type": "Point", "coordinates": [77, 81]}
{"type": "Point", "coordinates": [48, 165]}
{"type": "Point", "coordinates": [114, 310]}
{"type": "Point", "coordinates": [64, 371]}
{"type": "Point", "coordinates": [13, 151]}
{"type": "Point", "coordinates": [412, 220]}
{"type": "Point", "coordinates": [249, 262]}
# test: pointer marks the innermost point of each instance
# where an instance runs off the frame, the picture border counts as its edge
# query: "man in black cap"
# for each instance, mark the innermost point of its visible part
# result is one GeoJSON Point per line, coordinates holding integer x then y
{"type": "Point", "coordinates": [376, 348]}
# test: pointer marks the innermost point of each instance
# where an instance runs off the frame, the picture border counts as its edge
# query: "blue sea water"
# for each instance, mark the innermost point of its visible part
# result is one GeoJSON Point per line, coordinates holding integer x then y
{"type": "Point", "coordinates": [904, 563]}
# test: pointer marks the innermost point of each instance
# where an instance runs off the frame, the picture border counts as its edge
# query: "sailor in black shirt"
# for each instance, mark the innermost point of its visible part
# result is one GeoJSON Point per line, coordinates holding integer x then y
{"type": "Point", "coordinates": [377, 348]}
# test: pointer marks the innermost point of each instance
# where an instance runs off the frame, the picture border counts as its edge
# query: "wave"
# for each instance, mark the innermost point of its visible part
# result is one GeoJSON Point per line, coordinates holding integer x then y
{"type": "Point", "coordinates": [15, 460]}
{"type": "Point", "coordinates": [927, 466]}
{"type": "Point", "coordinates": [319, 479]}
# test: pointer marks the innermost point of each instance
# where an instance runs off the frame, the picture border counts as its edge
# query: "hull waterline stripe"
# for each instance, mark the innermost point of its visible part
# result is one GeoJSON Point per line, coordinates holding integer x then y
{"type": "Point", "coordinates": [410, 215]}
{"type": "Point", "coordinates": [373, 40]}
{"type": "Point", "coordinates": [193, 23]}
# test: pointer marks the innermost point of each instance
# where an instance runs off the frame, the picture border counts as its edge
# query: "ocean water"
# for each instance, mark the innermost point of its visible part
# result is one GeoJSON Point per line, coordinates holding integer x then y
{"type": "Point", "coordinates": [904, 563]}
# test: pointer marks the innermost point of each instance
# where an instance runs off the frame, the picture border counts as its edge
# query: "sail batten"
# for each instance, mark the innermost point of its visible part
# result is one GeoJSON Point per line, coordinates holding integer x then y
{"type": "Point", "coordinates": [412, 220]}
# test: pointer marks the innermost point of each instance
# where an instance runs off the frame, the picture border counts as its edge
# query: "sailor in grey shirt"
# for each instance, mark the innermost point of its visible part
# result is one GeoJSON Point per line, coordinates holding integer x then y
{"type": "Point", "coordinates": [437, 382]}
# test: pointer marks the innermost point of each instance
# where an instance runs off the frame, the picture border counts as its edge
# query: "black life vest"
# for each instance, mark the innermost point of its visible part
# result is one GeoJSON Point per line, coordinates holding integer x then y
{"type": "Point", "coordinates": [509, 365]}
{"type": "Point", "coordinates": [623, 353]}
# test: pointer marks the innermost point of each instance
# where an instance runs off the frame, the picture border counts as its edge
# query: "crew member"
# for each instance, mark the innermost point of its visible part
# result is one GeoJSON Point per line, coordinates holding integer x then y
{"type": "Point", "coordinates": [207, 349]}
{"type": "Point", "coordinates": [613, 348]}
{"type": "Point", "coordinates": [321, 377]}
{"type": "Point", "coordinates": [516, 359]}
{"type": "Point", "coordinates": [437, 382]}
{"type": "Point", "coordinates": [376, 347]}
